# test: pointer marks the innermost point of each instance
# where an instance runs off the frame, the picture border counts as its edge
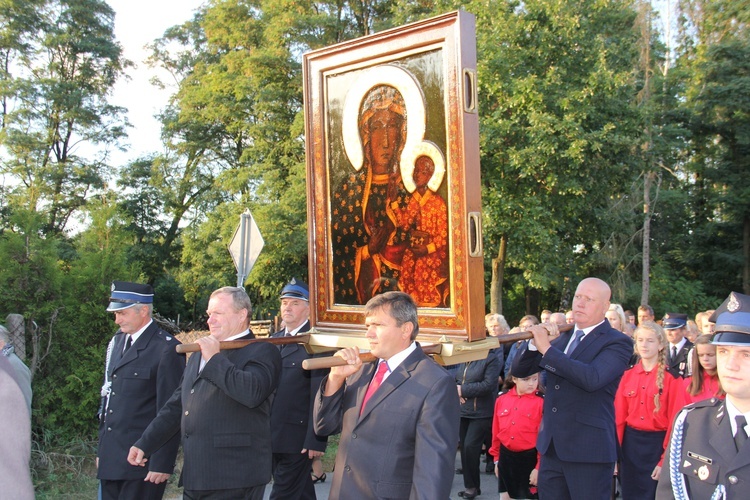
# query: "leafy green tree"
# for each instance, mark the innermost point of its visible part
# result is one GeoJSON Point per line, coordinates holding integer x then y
{"type": "Point", "coordinates": [59, 108]}
{"type": "Point", "coordinates": [558, 127]}
{"type": "Point", "coordinates": [715, 48]}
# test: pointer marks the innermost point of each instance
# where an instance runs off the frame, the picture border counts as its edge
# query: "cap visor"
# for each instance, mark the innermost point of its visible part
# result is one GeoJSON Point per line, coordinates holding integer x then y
{"type": "Point", "coordinates": [118, 306]}
{"type": "Point", "coordinates": [293, 295]}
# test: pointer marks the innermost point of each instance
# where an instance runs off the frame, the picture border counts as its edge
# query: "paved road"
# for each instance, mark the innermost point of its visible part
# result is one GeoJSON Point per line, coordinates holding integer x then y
{"type": "Point", "coordinates": [489, 485]}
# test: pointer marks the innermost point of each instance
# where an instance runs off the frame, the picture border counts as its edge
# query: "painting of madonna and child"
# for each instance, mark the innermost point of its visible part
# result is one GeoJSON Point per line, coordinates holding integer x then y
{"type": "Point", "coordinates": [388, 171]}
{"type": "Point", "coordinates": [388, 218]}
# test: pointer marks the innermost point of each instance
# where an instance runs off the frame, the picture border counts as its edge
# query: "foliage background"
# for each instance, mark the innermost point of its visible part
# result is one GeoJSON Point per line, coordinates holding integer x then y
{"type": "Point", "coordinates": [607, 149]}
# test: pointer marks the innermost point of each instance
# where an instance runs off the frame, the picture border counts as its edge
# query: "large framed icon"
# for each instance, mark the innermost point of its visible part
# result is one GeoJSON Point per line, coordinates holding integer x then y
{"type": "Point", "coordinates": [394, 195]}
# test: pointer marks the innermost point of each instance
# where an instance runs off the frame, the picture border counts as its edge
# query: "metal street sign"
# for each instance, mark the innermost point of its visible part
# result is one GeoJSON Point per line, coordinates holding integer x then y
{"type": "Point", "coordinates": [245, 246]}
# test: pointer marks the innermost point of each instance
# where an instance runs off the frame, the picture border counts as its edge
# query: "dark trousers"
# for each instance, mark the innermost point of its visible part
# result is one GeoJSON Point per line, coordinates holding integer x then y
{"type": "Point", "coordinates": [471, 433]}
{"type": "Point", "coordinates": [641, 452]}
{"type": "Point", "coordinates": [562, 480]}
{"type": "Point", "coordinates": [251, 493]}
{"type": "Point", "coordinates": [131, 488]}
{"type": "Point", "coordinates": [291, 477]}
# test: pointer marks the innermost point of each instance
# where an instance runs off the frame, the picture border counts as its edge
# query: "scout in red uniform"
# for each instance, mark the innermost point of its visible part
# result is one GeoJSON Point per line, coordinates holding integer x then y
{"type": "Point", "coordinates": [646, 402]}
{"type": "Point", "coordinates": [704, 384]}
{"type": "Point", "coordinates": [518, 414]}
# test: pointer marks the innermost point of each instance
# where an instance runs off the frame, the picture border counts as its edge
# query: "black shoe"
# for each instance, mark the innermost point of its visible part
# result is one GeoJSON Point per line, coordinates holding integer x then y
{"type": "Point", "coordinates": [459, 471]}
{"type": "Point", "coordinates": [470, 494]}
{"type": "Point", "coordinates": [489, 468]}
{"type": "Point", "coordinates": [318, 479]}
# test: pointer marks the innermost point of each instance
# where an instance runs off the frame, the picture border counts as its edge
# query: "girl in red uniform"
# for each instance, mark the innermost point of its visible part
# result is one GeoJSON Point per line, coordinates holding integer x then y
{"type": "Point", "coordinates": [646, 403]}
{"type": "Point", "coordinates": [704, 384]}
{"type": "Point", "coordinates": [518, 414]}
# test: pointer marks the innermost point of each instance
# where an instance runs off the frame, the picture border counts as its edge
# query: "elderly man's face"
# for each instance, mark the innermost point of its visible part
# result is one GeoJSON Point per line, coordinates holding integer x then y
{"type": "Point", "coordinates": [494, 328]}
{"type": "Point", "coordinates": [132, 319]}
{"type": "Point", "coordinates": [224, 320]}
{"type": "Point", "coordinates": [294, 312]}
{"type": "Point", "coordinates": [590, 302]}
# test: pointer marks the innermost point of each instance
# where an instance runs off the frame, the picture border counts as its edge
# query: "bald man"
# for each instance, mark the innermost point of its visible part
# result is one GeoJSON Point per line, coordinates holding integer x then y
{"type": "Point", "coordinates": [577, 439]}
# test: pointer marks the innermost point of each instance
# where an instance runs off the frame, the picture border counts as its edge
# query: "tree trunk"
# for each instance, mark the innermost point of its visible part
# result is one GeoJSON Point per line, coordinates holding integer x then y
{"type": "Point", "coordinates": [498, 274]}
{"type": "Point", "coordinates": [645, 281]}
{"type": "Point", "coordinates": [746, 255]}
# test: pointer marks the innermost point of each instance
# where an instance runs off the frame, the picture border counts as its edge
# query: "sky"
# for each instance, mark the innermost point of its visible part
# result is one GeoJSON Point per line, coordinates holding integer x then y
{"type": "Point", "coordinates": [137, 23]}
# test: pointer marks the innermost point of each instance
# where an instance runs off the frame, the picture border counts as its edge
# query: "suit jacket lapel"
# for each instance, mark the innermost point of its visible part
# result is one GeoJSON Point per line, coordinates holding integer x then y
{"type": "Point", "coordinates": [289, 349]}
{"type": "Point", "coordinates": [141, 344]}
{"type": "Point", "coordinates": [588, 340]}
{"type": "Point", "coordinates": [400, 375]}
{"type": "Point", "coordinates": [117, 348]}
{"type": "Point", "coordinates": [721, 435]}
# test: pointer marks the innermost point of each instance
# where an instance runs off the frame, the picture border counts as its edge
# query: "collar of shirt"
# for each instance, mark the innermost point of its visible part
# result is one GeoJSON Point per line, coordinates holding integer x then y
{"type": "Point", "coordinates": [139, 332]}
{"type": "Point", "coordinates": [678, 345]}
{"type": "Point", "coordinates": [585, 331]}
{"type": "Point", "coordinates": [294, 332]}
{"type": "Point", "coordinates": [398, 358]}
{"type": "Point", "coordinates": [732, 412]}
{"type": "Point", "coordinates": [238, 336]}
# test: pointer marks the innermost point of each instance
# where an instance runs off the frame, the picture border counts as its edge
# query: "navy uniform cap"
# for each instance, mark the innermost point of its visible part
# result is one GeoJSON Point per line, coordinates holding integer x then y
{"type": "Point", "coordinates": [673, 321]}
{"type": "Point", "coordinates": [527, 371]}
{"type": "Point", "coordinates": [295, 289]}
{"type": "Point", "coordinates": [732, 320]}
{"type": "Point", "coordinates": [126, 294]}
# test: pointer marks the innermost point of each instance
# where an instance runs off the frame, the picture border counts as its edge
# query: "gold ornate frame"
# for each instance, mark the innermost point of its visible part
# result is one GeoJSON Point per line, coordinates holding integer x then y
{"type": "Point", "coordinates": [432, 64]}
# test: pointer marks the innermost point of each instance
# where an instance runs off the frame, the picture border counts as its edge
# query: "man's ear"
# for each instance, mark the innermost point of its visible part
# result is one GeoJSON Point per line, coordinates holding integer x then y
{"type": "Point", "coordinates": [407, 328]}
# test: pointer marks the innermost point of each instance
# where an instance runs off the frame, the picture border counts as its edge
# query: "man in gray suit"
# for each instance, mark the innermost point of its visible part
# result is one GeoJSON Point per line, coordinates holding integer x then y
{"type": "Point", "coordinates": [222, 407]}
{"type": "Point", "coordinates": [399, 428]}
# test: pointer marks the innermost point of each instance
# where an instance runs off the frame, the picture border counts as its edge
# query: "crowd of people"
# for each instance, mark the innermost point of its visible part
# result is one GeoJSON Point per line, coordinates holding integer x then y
{"type": "Point", "coordinates": [608, 406]}
{"type": "Point", "coordinates": [590, 413]}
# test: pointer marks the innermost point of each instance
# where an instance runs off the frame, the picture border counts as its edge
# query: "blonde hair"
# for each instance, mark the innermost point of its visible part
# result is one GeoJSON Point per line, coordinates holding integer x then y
{"type": "Point", "coordinates": [617, 308]}
{"type": "Point", "coordinates": [661, 359]}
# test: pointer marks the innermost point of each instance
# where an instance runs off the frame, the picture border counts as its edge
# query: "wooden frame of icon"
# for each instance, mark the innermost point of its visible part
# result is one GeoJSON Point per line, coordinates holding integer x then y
{"type": "Point", "coordinates": [394, 195]}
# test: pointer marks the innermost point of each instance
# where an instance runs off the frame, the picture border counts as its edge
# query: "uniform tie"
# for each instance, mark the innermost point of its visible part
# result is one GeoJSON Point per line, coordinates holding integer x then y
{"type": "Point", "coordinates": [674, 354]}
{"type": "Point", "coordinates": [374, 384]}
{"type": "Point", "coordinates": [576, 340]}
{"type": "Point", "coordinates": [128, 343]}
{"type": "Point", "coordinates": [740, 436]}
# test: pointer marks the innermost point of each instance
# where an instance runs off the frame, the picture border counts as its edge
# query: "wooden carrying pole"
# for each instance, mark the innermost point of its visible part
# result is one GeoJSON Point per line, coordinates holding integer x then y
{"type": "Point", "coordinates": [330, 361]}
{"type": "Point", "coordinates": [303, 338]}
{"type": "Point", "coordinates": [366, 357]}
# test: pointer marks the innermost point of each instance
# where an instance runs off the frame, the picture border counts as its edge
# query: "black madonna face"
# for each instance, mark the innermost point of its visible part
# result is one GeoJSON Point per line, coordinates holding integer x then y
{"type": "Point", "coordinates": [385, 139]}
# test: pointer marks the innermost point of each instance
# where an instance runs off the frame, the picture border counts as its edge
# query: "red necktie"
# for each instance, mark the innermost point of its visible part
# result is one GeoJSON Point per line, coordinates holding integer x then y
{"type": "Point", "coordinates": [374, 383]}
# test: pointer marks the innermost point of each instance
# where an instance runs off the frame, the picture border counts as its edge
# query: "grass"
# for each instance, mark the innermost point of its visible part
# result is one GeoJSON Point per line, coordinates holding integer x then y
{"type": "Point", "coordinates": [69, 472]}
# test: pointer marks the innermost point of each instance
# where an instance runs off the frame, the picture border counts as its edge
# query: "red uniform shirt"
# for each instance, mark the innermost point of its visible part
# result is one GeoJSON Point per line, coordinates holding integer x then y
{"type": "Point", "coordinates": [516, 422]}
{"type": "Point", "coordinates": [710, 388]}
{"type": "Point", "coordinates": [634, 402]}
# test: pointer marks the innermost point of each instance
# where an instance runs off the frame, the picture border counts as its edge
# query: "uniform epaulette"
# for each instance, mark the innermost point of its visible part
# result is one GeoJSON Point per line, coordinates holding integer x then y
{"type": "Point", "coordinates": [167, 337]}
{"type": "Point", "coordinates": [705, 403]}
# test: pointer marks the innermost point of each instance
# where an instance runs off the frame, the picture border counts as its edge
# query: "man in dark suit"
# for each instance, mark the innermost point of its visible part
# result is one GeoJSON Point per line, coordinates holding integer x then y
{"type": "Point", "coordinates": [223, 408]}
{"type": "Point", "coordinates": [399, 428]}
{"type": "Point", "coordinates": [142, 371]}
{"type": "Point", "coordinates": [577, 439]}
{"type": "Point", "coordinates": [678, 357]}
{"type": "Point", "coordinates": [708, 455]}
{"type": "Point", "coordinates": [293, 440]}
